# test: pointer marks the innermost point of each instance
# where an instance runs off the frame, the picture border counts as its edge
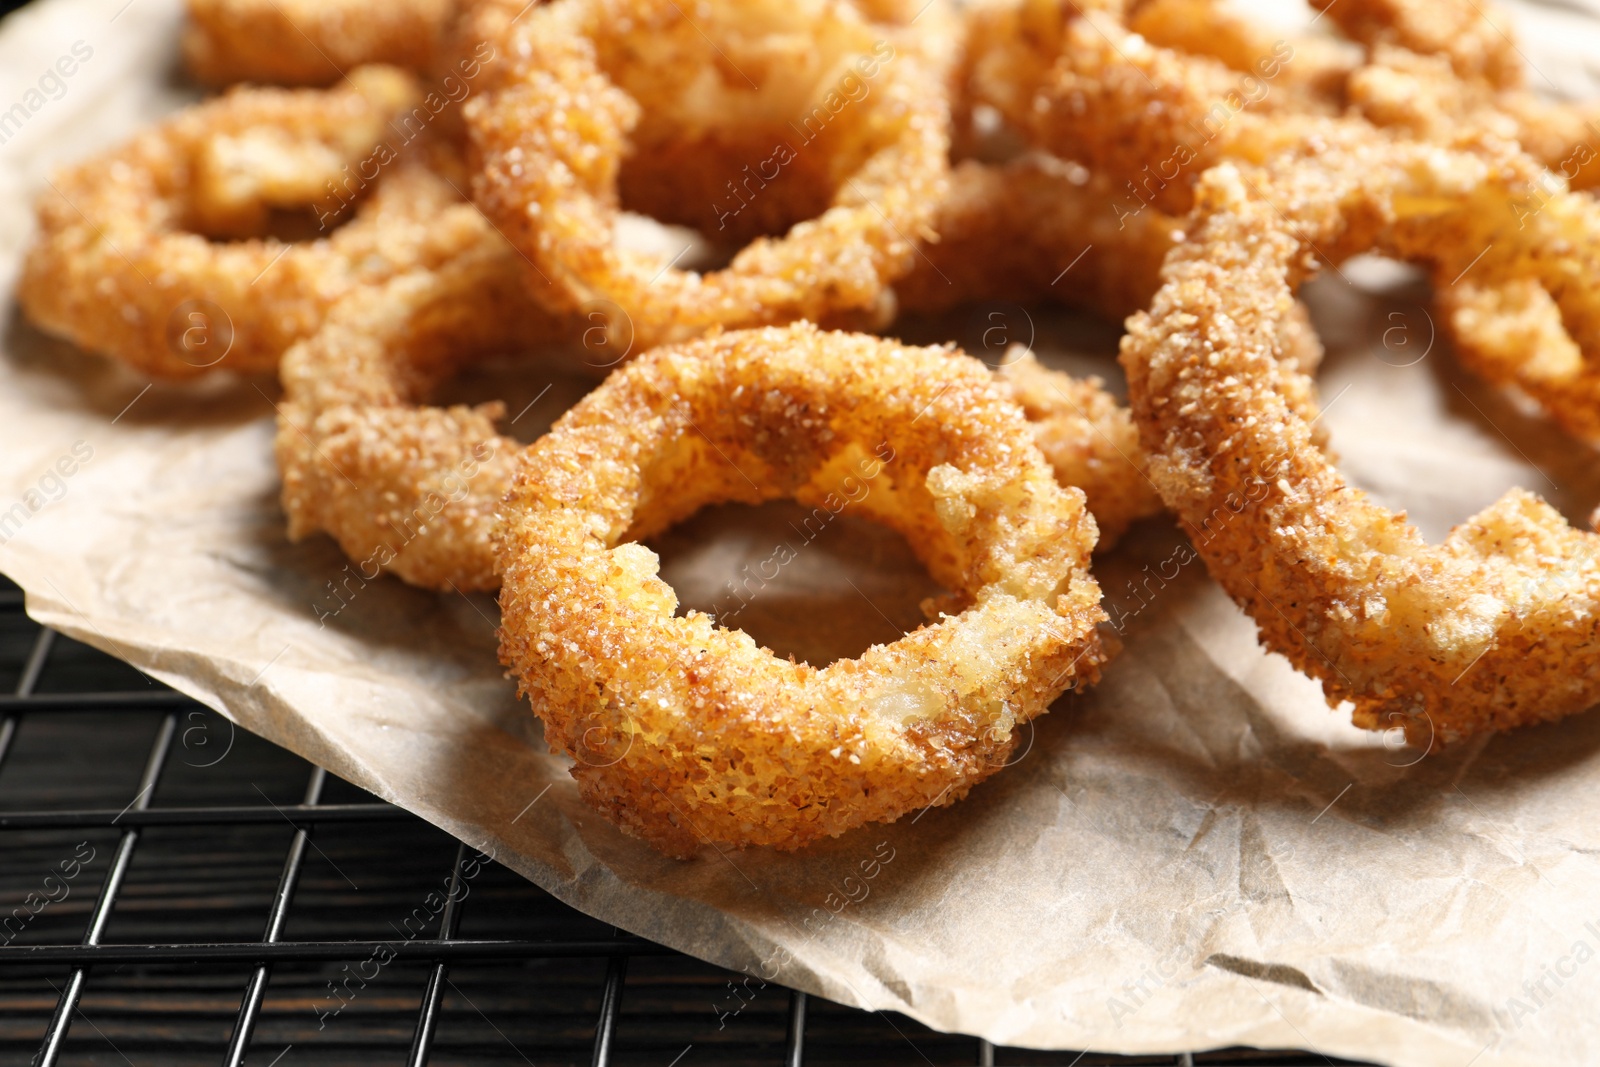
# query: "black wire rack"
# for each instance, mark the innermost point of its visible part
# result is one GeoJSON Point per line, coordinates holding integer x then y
{"type": "Point", "coordinates": [174, 891]}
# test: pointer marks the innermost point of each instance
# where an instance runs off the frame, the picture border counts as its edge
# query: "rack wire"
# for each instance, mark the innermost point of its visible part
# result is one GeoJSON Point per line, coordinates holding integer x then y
{"type": "Point", "coordinates": [174, 891]}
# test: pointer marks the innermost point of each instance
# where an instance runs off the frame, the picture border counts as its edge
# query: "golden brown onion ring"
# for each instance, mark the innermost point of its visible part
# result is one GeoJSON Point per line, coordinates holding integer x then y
{"type": "Point", "coordinates": [406, 488]}
{"type": "Point", "coordinates": [1319, 65]}
{"type": "Point", "coordinates": [124, 263]}
{"type": "Point", "coordinates": [1037, 228]}
{"type": "Point", "coordinates": [411, 489]}
{"type": "Point", "coordinates": [746, 119]}
{"type": "Point", "coordinates": [1474, 36]}
{"type": "Point", "coordinates": [685, 733]}
{"type": "Point", "coordinates": [1523, 329]}
{"type": "Point", "coordinates": [1423, 96]}
{"type": "Point", "coordinates": [1500, 624]}
{"type": "Point", "coordinates": [308, 42]}
{"type": "Point", "coordinates": [1089, 439]}
{"type": "Point", "coordinates": [1149, 119]}
{"type": "Point", "coordinates": [1152, 96]}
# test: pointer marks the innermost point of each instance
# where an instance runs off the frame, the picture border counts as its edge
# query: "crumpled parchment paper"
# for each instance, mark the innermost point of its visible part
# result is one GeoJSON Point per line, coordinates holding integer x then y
{"type": "Point", "coordinates": [1196, 853]}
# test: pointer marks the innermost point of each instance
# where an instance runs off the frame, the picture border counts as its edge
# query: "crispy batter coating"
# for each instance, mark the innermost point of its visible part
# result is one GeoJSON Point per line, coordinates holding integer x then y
{"type": "Point", "coordinates": [1497, 626]}
{"type": "Point", "coordinates": [686, 733]}
{"type": "Point", "coordinates": [1012, 231]}
{"type": "Point", "coordinates": [1440, 68]}
{"type": "Point", "coordinates": [406, 488]}
{"type": "Point", "coordinates": [737, 118]}
{"type": "Point", "coordinates": [124, 263]}
{"type": "Point", "coordinates": [1028, 226]}
{"type": "Point", "coordinates": [1089, 439]}
{"type": "Point", "coordinates": [1036, 228]}
{"type": "Point", "coordinates": [1473, 35]}
{"type": "Point", "coordinates": [1150, 119]}
{"type": "Point", "coordinates": [1524, 317]}
{"type": "Point", "coordinates": [308, 42]}
{"type": "Point", "coordinates": [1319, 65]}
{"type": "Point", "coordinates": [1152, 94]}
{"type": "Point", "coordinates": [1422, 95]}
{"type": "Point", "coordinates": [412, 490]}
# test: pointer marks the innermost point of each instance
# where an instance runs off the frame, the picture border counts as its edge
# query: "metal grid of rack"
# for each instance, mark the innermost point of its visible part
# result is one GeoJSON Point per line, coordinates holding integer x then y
{"type": "Point", "coordinates": [175, 891]}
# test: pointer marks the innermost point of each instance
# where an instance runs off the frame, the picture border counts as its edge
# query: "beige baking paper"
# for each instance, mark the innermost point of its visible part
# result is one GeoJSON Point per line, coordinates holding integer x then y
{"type": "Point", "coordinates": [1196, 853]}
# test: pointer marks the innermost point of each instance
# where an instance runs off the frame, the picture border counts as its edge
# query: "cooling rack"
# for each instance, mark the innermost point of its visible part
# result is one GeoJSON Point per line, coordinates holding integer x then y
{"type": "Point", "coordinates": [174, 891]}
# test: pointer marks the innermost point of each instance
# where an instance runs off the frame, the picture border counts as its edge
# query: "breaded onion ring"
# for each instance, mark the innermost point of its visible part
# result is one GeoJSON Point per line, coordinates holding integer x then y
{"type": "Point", "coordinates": [308, 42]}
{"type": "Point", "coordinates": [1472, 35]}
{"type": "Point", "coordinates": [1149, 119]}
{"type": "Point", "coordinates": [1152, 102]}
{"type": "Point", "coordinates": [685, 733]}
{"type": "Point", "coordinates": [412, 490]}
{"type": "Point", "coordinates": [1497, 626]}
{"type": "Point", "coordinates": [1012, 232]}
{"type": "Point", "coordinates": [121, 266]}
{"type": "Point", "coordinates": [1423, 96]}
{"type": "Point", "coordinates": [738, 118]}
{"type": "Point", "coordinates": [405, 488]}
{"type": "Point", "coordinates": [1527, 322]}
{"type": "Point", "coordinates": [1037, 228]}
{"type": "Point", "coordinates": [1211, 28]}
{"type": "Point", "coordinates": [1089, 439]}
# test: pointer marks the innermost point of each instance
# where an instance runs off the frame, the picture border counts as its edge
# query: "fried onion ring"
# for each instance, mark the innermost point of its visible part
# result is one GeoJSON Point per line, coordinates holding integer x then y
{"type": "Point", "coordinates": [123, 265]}
{"type": "Point", "coordinates": [1037, 228]}
{"type": "Point", "coordinates": [1319, 65]}
{"type": "Point", "coordinates": [1524, 319]}
{"type": "Point", "coordinates": [308, 42]}
{"type": "Point", "coordinates": [1151, 102]}
{"type": "Point", "coordinates": [1472, 35]}
{"type": "Point", "coordinates": [406, 488]}
{"type": "Point", "coordinates": [1089, 439]}
{"type": "Point", "coordinates": [1149, 119]}
{"type": "Point", "coordinates": [1497, 626]}
{"type": "Point", "coordinates": [1423, 96]}
{"type": "Point", "coordinates": [684, 733]}
{"type": "Point", "coordinates": [742, 119]}
{"type": "Point", "coordinates": [412, 490]}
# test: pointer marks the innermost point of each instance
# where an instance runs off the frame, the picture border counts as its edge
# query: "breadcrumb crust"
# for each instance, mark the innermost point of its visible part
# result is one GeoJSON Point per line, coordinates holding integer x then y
{"type": "Point", "coordinates": [685, 733]}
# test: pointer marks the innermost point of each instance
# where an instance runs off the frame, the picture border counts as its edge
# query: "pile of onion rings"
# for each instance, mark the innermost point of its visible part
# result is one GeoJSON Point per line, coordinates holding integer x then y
{"type": "Point", "coordinates": [411, 489]}
{"type": "Point", "coordinates": [840, 168]}
{"type": "Point", "coordinates": [1150, 95]}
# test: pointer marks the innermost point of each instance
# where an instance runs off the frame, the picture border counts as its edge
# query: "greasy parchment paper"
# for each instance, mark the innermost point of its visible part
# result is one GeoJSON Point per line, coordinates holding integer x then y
{"type": "Point", "coordinates": [1196, 853]}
